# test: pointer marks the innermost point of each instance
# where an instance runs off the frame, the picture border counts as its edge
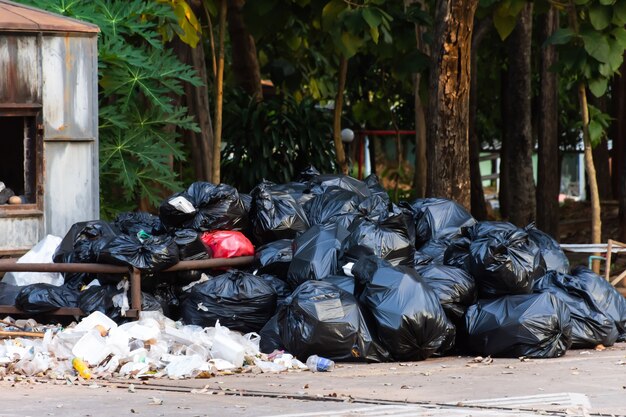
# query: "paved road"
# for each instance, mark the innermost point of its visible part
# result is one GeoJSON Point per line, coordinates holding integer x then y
{"type": "Point", "coordinates": [581, 383]}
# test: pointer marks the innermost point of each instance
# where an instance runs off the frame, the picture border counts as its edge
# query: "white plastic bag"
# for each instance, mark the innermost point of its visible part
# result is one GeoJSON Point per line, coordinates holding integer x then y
{"type": "Point", "coordinates": [41, 253]}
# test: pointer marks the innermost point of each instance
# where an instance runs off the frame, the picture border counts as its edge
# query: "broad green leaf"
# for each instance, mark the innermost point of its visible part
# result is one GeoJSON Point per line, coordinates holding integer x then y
{"type": "Point", "coordinates": [620, 36]}
{"type": "Point", "coordinates": [607, 2]}
{"type": "Point", "coordinates": [504, 25]}
{"type": "Point", "coordinates": [600, 17]}
{"type": "Point", "coordinates": [350, 44]}
{"type": "Point", "coordinates": [596, 45]}
{"type": "Point", "coordinates": [374, 34]}
{"type": "Point", "coordinates": [596, 132]}
{"type": "Point", "coordinates": [330, 12]}
{"type": "Point", "coordinates": [619, 13]}
{"type": "Point", "coordinates": [598, 86]}
{"type": "Point", "coordinates": [617, 55]}
{"type": "Point", "coordinates": [581, 2]}
{"type": "Point", "coordinates": [372, 18]}
{"type": "Point", "coordinates": [560, 36]}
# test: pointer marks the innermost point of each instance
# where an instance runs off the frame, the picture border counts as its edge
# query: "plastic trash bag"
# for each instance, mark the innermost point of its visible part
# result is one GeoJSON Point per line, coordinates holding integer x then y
{"type": "Point", "coordinates": [457, 253]}
{"type": "Point", "coordinates": [321, 184]}
{"type": "Point", "coordinates": [438, 219]}
{"type": "Point", "coordinates": [420, 259]}
{"type": "Point", "coordinates": [590, 326]}
{"type": "Point", "coordinates": [410, 321]}
{"type": "Point", "coordinates": [316, 253]}
{"type": "Point", "coordinates": [270, 336]}
{"type": "Point", "coordinates": [376, 189]}
{"type": "Point", "coordinates": [44, 298]}
{"type": "Point", "coordinates": [345, 283]}
{"type": "Point", "coordinates": [436, 249]}
{"type": "Point", "coordinates": [147, 253]}
{"type": "Point", "coordinates": [83, 244]}
{"type": "Point", "coordinates": [454, 287]}
{"type": "Point", "coordinates": [603, 295]}
{"type": "Point", "coordinates": [322, 319]}
{"type": "Point", "coordinates": [190, 245]}
{"type": "Point", "coordinates": [240, 301]}
{"type": "Point", "coordinates": [300, 192]}
{"type": "Point", "coordinates": [335, 205]}
{"type": "Point", "coordinates": [227, 244]}
{"type": "Point", "coordinates": [131, 223]}
{"type": "Point", "coordinates": [205, 207]}
{"type": "Point", "coordinates": [41, 253]}
{"type": "Point", "coordinates": [8, 293]}
{"type": "Point", "coordinates": [100, 298]}
{"type": "Point", "coordinates": [282, 289]}
{"type": "Point", "coordinates": [274, 258]}
{"type": "Point", "coordinates": [275, 215]}
{"type": "Point", "coordinates": [504, 262]}
{"type": "Point", "coordinates": [389, 239]}
{"type": "Point", "coordinates": [531, 325]}
{"type": "Point", "coordinates": [551, 251]}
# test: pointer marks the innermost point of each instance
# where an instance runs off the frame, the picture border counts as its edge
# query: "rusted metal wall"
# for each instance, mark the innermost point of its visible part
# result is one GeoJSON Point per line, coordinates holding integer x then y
{"type": "Point", "coordinates": [58, 70]}
{"type": "Point", "coordinates": [19, 68]}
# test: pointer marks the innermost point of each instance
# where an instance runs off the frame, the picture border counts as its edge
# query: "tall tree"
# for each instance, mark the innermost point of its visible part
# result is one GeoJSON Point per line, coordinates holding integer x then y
{"type": "Point", "coordinates": [479, 206]}
{"type": "Point", "coordinates": [619, 148]}
{"type": "Point", "coordinates": [245, 63]}
{"type": "Point", "coordinates": [548, 175]}
{"type": "Point", "coordinates": [518, 128]}
{"type": "Point", "coordinates": [448, 146]}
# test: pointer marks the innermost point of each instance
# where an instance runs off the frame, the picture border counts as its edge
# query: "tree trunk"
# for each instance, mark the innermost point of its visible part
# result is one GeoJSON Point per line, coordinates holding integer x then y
{"type": "Point", "coordinates": [619, 148]}
{"type": "Point", "coordinates": [420, 173]}
{"type": "Point", "coordinates": [448, 144]}
{"type": "Point", "coordinates": [505, 111]}
{"type": "Point", "coordinates": [548, 173]}
{"type": "Point", "coordinates": [219, 98]}
{"type": "Point", "coordinates": [520, 146]}
{"type": "Point", "coordinates": [596, 221]}
{"type": "Point", "coordinates": [339, 151]}
{"type": "Point", "coordinates": [245, 63]}
{"type": "Point", "coordinates": [603, 169]}
{"type": "Point", "coordinates": [479, 206]}
{"type": "Point", "coordinates": [196, 99]}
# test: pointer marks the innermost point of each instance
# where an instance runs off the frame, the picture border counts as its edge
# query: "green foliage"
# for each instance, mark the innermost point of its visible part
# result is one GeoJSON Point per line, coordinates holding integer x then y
{"type": "Point", "coordinates": [138, 79]}
{"type": "Point", "coordinates": [274, 139]}
{"type": "Point", "coordinates": [505, 15]}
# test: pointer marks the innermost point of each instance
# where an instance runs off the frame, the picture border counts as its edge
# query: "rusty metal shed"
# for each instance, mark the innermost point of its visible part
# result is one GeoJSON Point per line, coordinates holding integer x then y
{"type": "Point", "coordinates": [48, 124]}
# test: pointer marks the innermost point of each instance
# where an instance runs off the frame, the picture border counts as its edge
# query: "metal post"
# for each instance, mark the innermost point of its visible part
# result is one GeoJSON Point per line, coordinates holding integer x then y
{"type": "Point", "coordinates": [135, 290]}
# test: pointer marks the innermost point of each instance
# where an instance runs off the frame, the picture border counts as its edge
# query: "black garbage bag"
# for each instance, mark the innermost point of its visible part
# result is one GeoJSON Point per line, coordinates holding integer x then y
{"type": "Point", "coordinates": [457, 253]}
{"type": "Point", "coordinates": [438, 219]}
{"type": "Point", "coordinates": [131, 223]}
{"type": "Point", "coordinates": [168, 296]}
{"type": "Point", "coordinates": [300, 192]}
{"type": "Point", "coordinates": [150, 303]}
{"type": "Point", "coordinates": [420, 259]}
{"type": "Point", "coordinates": [321, 184]}
{"type": "Point", "coordinates": [309, 173]}
{"type": "Point", "coordinates": [454, 287]}
{"type": "Point", "coordinates": [275, 215]}
{"type": "Point", "coordinates": [376, 189]}
{"type": "Point", "coordinates": [345, 283]}
{"type": "Point", "coordinates": [321, 319]}
{"type": "Point", "coordinates": [435, 249]}
{"type": "Point", "coordinates": [240, 301]}
{"type": "Point", "coordinates": [531, 325]}
{"type": "Point", "coordinates": [282, 289]}
{"type": "Point", "coordinates": [505, 262]}
{"type": "Point", "coordinates": [270, 336]}
{"type": "Point", "coordinates": [603, 295]}
{"type": "Point", "coordinates": [590, 327]}
{"type": "Point", "coordinates": [389, 239]}
{"type": "Point", "coordinates": [550, 249]}
{"type": "Point", "coordinates": [410, 321]}
{"type": "Point", "coordinates": [246, 199]}
{"type": "Point", "coordinates": [190, 246]}
{"type": "Point", "coordinates": [8, 293]}
{"type": "Point", "coordinates": [316, 253]}
{"type": "Point", "coordinates": [274, 258]}
{"type": "Point", "coordinates": [335, 205]}
{"type": "Point", "coordinates": [44, 298]}
{"type": "Point", "coordinates": [83, 244]}
{"type": "Point", "coordinates": [100, 298]}
{"type": "Point", "coordinates": [215, 207]}
{"type": "Point", "coordinates": [144, 252]}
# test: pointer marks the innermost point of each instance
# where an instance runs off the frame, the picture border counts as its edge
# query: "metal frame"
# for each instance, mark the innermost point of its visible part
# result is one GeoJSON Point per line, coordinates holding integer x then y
{"type": "Point", "coordinates": [11, 265]}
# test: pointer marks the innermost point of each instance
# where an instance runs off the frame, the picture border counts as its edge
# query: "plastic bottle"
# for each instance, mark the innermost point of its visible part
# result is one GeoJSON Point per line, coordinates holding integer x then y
{"type": "Point", "coordinates": [82, 368]}
{"type": "Point", "coordinates": [318, 364]}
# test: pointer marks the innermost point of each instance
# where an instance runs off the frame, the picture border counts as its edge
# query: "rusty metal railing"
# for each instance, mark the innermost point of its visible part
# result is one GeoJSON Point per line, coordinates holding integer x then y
{"type": "Point", "coordinates": [11, 265]}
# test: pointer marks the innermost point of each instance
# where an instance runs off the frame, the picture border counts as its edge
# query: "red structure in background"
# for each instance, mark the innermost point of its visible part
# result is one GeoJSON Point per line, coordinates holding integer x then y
{"type": "Point", "coordinates": [361, 134]}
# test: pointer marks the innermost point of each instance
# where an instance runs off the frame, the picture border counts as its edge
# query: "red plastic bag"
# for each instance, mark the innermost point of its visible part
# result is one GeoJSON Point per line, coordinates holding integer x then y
{"type": "Point", "coordinates": [227, 244]}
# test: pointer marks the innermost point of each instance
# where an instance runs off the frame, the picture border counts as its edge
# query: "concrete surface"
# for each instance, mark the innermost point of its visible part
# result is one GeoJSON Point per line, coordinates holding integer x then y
{"type": "Point", "coordinates": [586, 382]}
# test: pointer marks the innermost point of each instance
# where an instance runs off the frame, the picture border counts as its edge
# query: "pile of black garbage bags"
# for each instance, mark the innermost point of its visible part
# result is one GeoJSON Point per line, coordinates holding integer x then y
{"type": "Point", "coordinates": [342, 272]}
